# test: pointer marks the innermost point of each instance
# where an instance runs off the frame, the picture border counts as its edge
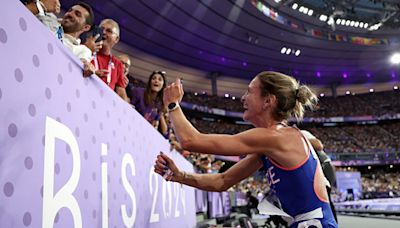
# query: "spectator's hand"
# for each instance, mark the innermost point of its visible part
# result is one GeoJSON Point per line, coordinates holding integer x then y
{"type": "Point", "coordinates": [102, 73]}
{"type": "Point", "coordinates": [88, 69]}
{"type": "Point", "coordinates": [163, 163]}
{"type": "Point", "coordinates": [92, 44]}
{"type": "Point", "coordinates": [173, 92]}
{"type": "Point", "coordinates": [126, 80]}
{"type": "Point", "coordinates": [155, 123]}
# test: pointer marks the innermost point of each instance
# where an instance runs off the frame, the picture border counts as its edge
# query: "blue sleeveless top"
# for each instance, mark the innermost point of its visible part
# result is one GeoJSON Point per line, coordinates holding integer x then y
{"type": "Point", "coordinates": [294, 188]}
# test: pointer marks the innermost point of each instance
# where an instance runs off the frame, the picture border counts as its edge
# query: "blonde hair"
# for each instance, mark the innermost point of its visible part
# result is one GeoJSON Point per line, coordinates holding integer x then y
{"type": "Point", "coordinates": [292, 98]}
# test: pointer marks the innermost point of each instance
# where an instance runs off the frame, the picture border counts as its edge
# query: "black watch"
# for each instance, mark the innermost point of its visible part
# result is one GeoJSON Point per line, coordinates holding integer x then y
{"type": "Point", "coordinates": [172, 106]}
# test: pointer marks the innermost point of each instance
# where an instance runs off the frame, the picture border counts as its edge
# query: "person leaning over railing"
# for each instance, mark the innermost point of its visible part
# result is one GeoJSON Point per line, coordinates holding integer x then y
{"type": "Point", "coordinates": [107, 66]}
{"type": "Point", "coordinates": [45, 11]}
{"type": "Point", "coordinates": [149, 101]}
{"type": "Point", "coordinates": [77, 20]}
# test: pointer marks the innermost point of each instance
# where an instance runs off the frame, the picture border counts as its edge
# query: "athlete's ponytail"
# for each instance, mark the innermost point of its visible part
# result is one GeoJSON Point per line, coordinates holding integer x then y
{"type": "Point", "coordinates": [292, 98]}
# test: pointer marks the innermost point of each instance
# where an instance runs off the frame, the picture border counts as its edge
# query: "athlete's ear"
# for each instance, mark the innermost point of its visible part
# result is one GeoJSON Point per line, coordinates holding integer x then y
{"type": "Point", "coordinates": [269, 101]}
{"type": "Point", "coordinates": [266, 103]}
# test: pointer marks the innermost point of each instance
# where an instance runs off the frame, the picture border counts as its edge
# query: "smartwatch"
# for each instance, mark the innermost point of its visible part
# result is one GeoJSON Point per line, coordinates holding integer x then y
{"type": "Point", "coordinates": [172, 106]}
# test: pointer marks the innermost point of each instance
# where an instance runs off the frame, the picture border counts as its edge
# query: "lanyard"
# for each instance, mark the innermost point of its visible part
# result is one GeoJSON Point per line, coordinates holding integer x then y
{"type": "Point", "coordinates": [110, 66]}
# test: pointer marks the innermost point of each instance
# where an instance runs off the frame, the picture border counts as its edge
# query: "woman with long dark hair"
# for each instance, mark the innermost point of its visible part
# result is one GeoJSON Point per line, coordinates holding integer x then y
{"type": "Point", "coordinates": [149, 101]}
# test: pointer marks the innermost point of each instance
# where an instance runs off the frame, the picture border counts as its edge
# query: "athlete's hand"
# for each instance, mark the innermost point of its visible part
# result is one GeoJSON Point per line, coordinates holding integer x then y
{"type": "Point", "coordinates": [167, 168]}
{"type": "Point", "coordinates": [173, 92]}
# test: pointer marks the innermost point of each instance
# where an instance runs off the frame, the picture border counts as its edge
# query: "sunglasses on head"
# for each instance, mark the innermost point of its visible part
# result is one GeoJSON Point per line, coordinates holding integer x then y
{"type": "Point", "coordinates": [159, 72]}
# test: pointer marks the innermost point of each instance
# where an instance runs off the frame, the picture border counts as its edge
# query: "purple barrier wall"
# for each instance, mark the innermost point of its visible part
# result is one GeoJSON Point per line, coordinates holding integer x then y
{"type": "Point", "coordinates": [201, 201]}
{"type": "Point", "coordinates": [219, 204]}
{"type": "Point", "coordinates": [72, 153]}
{"type": "Point", "coordinates": [349, 182]}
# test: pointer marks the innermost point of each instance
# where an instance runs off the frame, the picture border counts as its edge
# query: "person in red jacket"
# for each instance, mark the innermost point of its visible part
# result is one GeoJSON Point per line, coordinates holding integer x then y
{"type": "Point", "coordinates": [108, 67]}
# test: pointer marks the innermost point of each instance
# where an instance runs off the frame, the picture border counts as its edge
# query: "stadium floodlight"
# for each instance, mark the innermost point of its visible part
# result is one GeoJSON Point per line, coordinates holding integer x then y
{"type": "Point", "coordinates": [347, 92]}
{"type": "Point", "coordinates": [288, 51]}
{"type": "Point", "coordinates": [310, 12]}
{"type": "Point", "coordinates": [331, 21]}
{"type": "Point", "coordinates": [322, 95]}
{"type": "Point", "coordinates": [352, 23]}
{"type": "Point", "coordinates": [371, 90]}
{"type": "Point", "coordinates": [297, 53]}
{"type": "Point", "coordinates": [356, 24]}
{"type": "Point", "coordinates": [375, 27]}
{"type": "Point", "coordinates": [343, 22]}
{"type": "Point", "coordinates": [338, 21]}
{"type": "Point", "coordinates": [283, 50]}
{"type": "Point", "coordinates": [295, 6]}
{"type": "Point", "coordinates": [323, 17]}
{"type": "Point", "coordinates": [395, 58]}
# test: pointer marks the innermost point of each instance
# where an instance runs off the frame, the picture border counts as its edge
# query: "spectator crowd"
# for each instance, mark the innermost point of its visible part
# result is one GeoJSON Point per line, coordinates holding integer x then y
{"type": "Point", "coordinates": [385, 103]}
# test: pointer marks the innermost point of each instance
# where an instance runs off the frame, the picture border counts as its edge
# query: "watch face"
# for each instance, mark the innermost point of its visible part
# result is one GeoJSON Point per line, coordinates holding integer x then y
{"type": "Point", "coordinates": [171, 106]}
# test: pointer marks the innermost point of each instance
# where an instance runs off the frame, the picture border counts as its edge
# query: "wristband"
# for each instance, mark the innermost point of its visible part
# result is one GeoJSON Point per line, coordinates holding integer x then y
{"type": "Point", "coordinates": [168, 174]}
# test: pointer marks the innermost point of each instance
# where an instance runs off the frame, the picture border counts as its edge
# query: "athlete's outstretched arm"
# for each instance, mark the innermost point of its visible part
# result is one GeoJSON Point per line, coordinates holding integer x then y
{"type": "Point", "coordinates": [210, 182]}
{"type": "Point", "coordinates": [256, 140]}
